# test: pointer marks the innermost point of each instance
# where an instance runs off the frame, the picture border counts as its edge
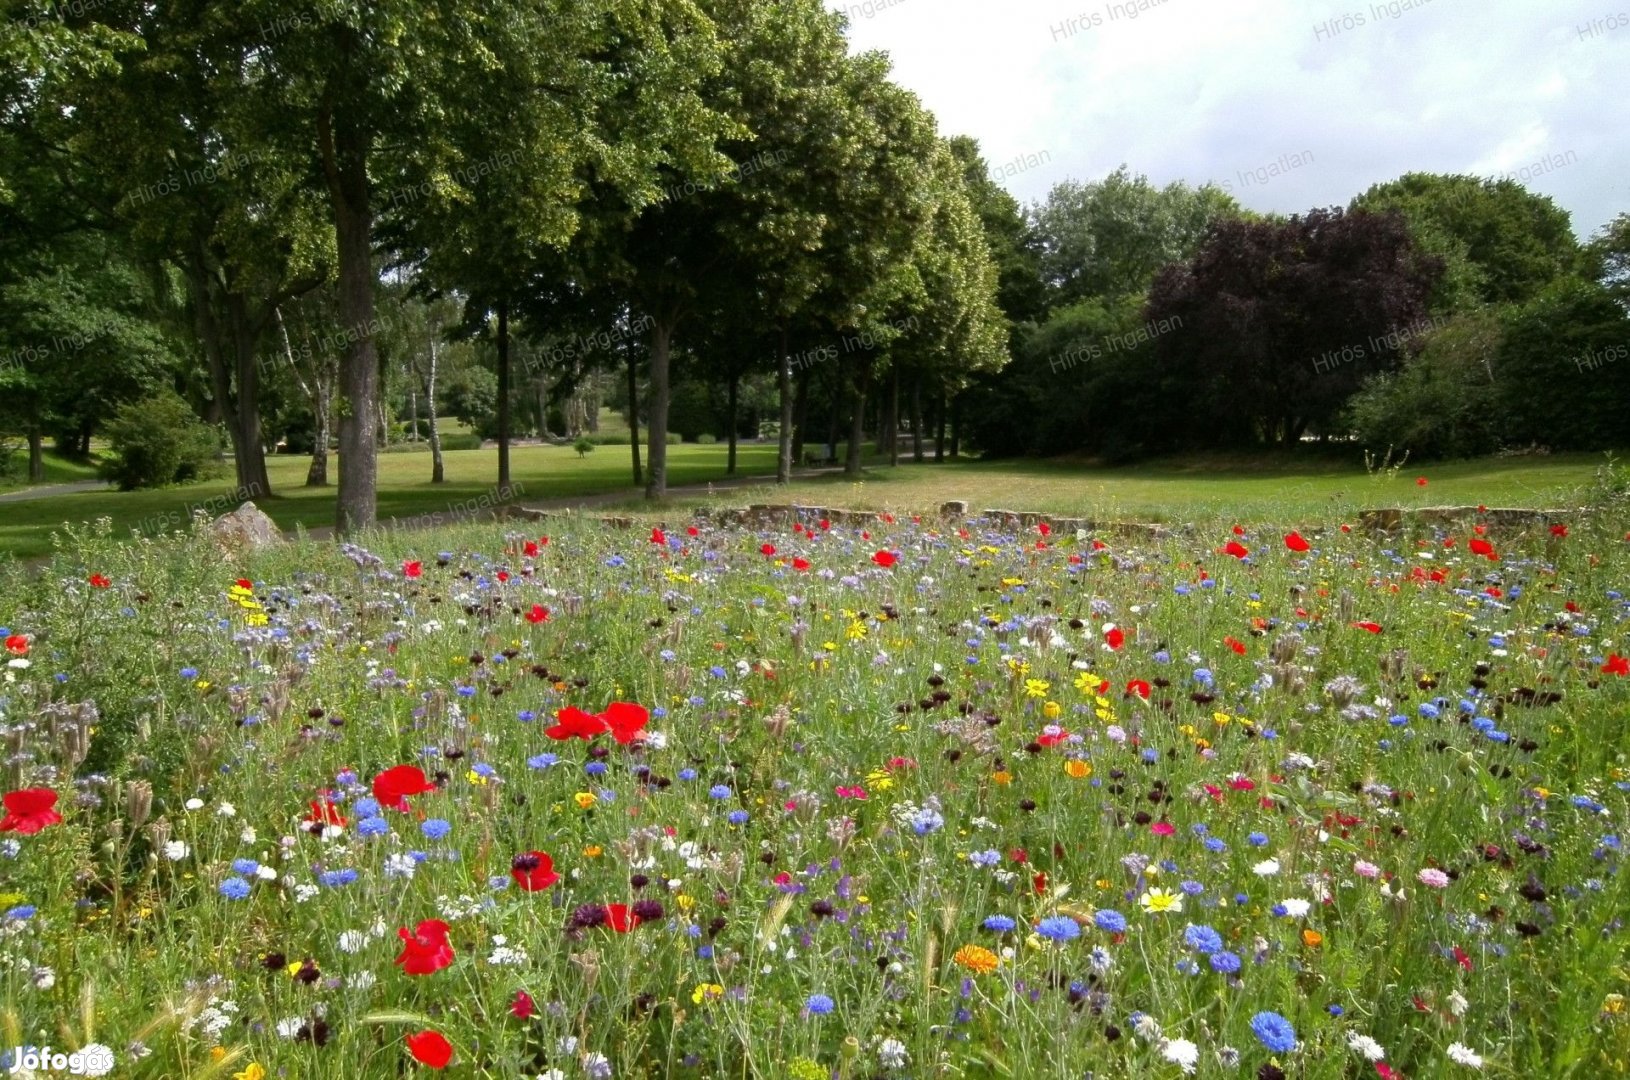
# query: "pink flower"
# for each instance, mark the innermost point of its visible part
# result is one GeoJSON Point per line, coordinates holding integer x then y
{"type": "Point", "coordinates": [1433, 878]}
{"type": "Point", "coordinates": [1366, 869]}
{"type": "Point", "coordinates": [1162, 828]}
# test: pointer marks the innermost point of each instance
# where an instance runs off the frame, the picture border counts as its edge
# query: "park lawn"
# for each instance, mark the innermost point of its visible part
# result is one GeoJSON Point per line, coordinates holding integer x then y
{"type": "Point", "coordinates": [1251, 489]}
{"type": "Point", "coordinates": [539, 473]}
{"type": "Point", "coordinates": [58, 470]}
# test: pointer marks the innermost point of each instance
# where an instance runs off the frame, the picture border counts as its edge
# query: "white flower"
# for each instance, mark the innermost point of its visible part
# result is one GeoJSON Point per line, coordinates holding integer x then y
{"type": "Point", "coordinates": [195, 804]}
{"type": "Point", "coordinates": [44, 978]}
{"type": "Point", "coordinates": [891, 1054]}
{"type": "Point", "coordinates": [1366, 1047]}
{"type": "Point", "coordinates": [552, 1074]}
{"type": "Point", "coordinates": [1266, 868]}
{"type": "Point", "coordinates": [1458, 1004]}
{"type": "Point", "coordinates": [248, 835]}
{"type": "Point", "coordinates": [1181, 1052]}
{"type": "Point", "coordinates": [566, 1045]}
{"type": "Point", "coordinates": [176, 850]}
{"type": "Point", "coordinates": [1296, 907]}
{"type": "Point", "coordinates": [266, 873]}
{"type": "Point", "coordinates": [95, 1059]}
{"type": "Point", "coordinates": [226, 809]}
{"type": "Point", "coordinates": [363, 980]}
{"type": "Point", "coordinates": [353, 941]}
{"type": "Point", "coordinates": [1461, 1054]}
{"type": "Point", "coordinates": [1146, 1027]}
{"type": "Point", "coordinates": [304, 892]}
{"type": "Point", "coordinates": [290, 1026]}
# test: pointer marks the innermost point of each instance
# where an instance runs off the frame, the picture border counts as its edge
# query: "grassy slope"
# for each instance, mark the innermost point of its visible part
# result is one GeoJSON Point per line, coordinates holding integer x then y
{"type": "Point", "coordinates": [58, 470]}
{"type": "Point", "coordinates": [1251, 489]}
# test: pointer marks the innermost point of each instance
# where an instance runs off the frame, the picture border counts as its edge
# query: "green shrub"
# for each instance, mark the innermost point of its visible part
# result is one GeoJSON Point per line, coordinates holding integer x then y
{"type": "Point", "coordinates": [583, 446]}
{"type": "Point", "coordinates": [705, 439]}
{"type": "Point", "coordinates": [158, 441]}
{"type": "Point", "coordinates": [460, 442]}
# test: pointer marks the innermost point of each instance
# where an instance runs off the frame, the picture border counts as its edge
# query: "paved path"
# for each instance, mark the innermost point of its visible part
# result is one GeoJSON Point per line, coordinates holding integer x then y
{"type": "Point", "coordinates": [53, 490]}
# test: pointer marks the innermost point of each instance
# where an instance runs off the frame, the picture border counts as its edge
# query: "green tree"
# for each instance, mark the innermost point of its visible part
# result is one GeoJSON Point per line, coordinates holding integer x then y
{"type": "Point", "coordinates": [1608, 258]}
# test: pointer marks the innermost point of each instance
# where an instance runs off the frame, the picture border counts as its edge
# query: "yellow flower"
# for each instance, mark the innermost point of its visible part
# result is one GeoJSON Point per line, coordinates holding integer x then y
{"type": "Point", "coordinates": [706, 992]}
{"type": "Point", "coordinates": [1086, 682]}
{"type": "Point", "coordinates": [1220, 718]}
{"type": "Point", "coordinates": [1036, 688]}
{"type": "Point", "coordinates": [1010, 582]}
{"type": "Point", "coordinates": [880, 779]}
{"type": "Point", "coordinates": [474, 777]}
{"type": "Point", "coordinates": [1077, 768]}
{"type": "Point", "coordinates": [1052, 710]}
{"type": "Point", "coordinates": [216, 1053]}
{"type": "Point", "coordinates": [1159, 901]}
{"type": "Point", "coordinates": [593, 851]}
{"type": "Point", "coordinates": [976, 958]}
{"type": "Point", "coordinates": [1312, 938]}
{"type": "Point", "coordinates": [1002, 777]}
{"type": "Point", "coordinates": [253, 1071]}
{"type": "Point", "coordinates": [685, 901]}
{"type": "Point", "coordinates": [585, 799]}
{"type": "Point", "coordinates": [856, 631]}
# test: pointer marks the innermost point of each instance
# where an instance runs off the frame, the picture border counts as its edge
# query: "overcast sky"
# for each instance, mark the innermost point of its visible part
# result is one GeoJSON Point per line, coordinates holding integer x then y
{"type": "Point", "coordinates": [1236, 91]}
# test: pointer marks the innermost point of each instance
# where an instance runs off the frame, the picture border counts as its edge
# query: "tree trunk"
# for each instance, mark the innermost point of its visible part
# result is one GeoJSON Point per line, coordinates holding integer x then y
{"type": "Point", "coordinates": [438, 472]}
{"type": "Point", "coordinates": [413, 410]}
{"type": "Point", "coordinates": [36, 456]}
{"type": "Point", "coordinates": [634, 416]}
{"type": "Point", "coordinates": [783, 386]}
{"type": "Point", "coordinates": [249, 453]}
{"type": "Point", "coordinates": [317, 475]}
{"type": "Point", "coordinates": [917, 419]}
{"type": "Point", "coordinates": [857, 420]}
{"type": "Point", "coordinates": [800, 414]}
{"type": "Point", "coordinates": [734, 411]}
{"type": "Point", "coordinates": [656, 480]}
{"type": "Point", "coordinates": [345, 145]}
{"type": "Point", "coordinates": [503, 399]}
{"type": "Point", "coordinates": [939, 436]}
{"type": "Point", "coordinates": [956, 427]}
{"type": "Point", "coordinates": [894, 417]}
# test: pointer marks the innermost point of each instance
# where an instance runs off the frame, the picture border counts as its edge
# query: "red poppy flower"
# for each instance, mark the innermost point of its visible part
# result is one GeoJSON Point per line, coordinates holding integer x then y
{"type": "Point", "coordinates": [1346, 528]}
{"type": "Point", "coordinates": [522, 1007]}
{"type": "Point", "coordinates": [1295, 542]}
{"type": "Point", "coordinates": [885, 559]}
{"type": "Point", "coordinates": [1239, 530]}
{"type": "Point", "coordinates": [324, 812]}
{"type": "Point", "coordinates": [412, 568]}
{"type": "Point", "coordinates": [431, 1049]}
{"type": "Point", "coordinates": [1114, 637]}
{"type": "Point", "coordinates": [530, 549]}
{"type": "Point", "coordinates": [1235, 644]}
{"type": "Point", "coordinates": [1616, 665]}
{"type": "Point", "coordinates": [625, 720]}
{"type": "Point", "coordinates": [29, 810]}
{"type": "Point", "coordinates": [1387, 1072]}
{"type": "Point", "coordinates": [395, 784]}
{"type": "Point", "coordinates": [658, 537]}
{"type": "Point", "coordinates": [1039, 882]}
{"type": "Point", "coordinates": [1420, 481]}
{"type": "Point", "coordinates": [1138, 687]}
{"type": "Point", "coordinates": [574, 723]}
{"type": "Point", "coordinates": [424, 949]}
{"type": "Point", "coordinates": [1236, 549]}
{"type": "Point", "coordinates": [1044, 528]}
{"type": "Point", "coordinates": [538, 614]}
{"type": "Point", "coordinates": [534, 871]}
{"type": "Point", "coordinates": [99, 582]}
{"type": "Point", "coordinates": [1374, 628]}
{"type": "Point", "coordinates": [800, 564]}
{"type": "Point", "coordinates": [620, 919]}
{"type": "Point", "coordinates": [825, 524]}
{"type": "Point", "coordinates": [864, 535]}
{"type": "Point", "coordinates": [767, 550]}
{"type": "Point", "coordinates": [17, 645]}
{"type": "Point", "coordinates": [1099, 545]}
{"type": "Point", "coordinates": [1483, 548]}
{"type": "Point", "coordinates": [1559, 530]}
{"type": "Point", "coordinates": [692, 530]}
{"type": "Point", "coordinates": [503, 575]}
{"type": "Point", "coordinates": [244, 583]}
{"type": "Point", "coordinates": [1052, 740]}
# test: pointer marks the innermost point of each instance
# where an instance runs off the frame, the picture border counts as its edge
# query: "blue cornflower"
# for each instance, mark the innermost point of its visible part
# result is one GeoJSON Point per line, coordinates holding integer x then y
{"type": "Point", "coordinates": [481, 768]}
{"type": "Point", "coordinates": [1398, 720]}
{"type": "Point", "coordinates": [737, 817]}
{"type": "Point", "coordinates": [1110, 921]}
{"type": "Point", "coordinates": [21, 912]}
{"type": "Point", "coordinates": [526, 716]}
{"type": "Point", "coordinates": [234, 888]}
{"type": "Point", "coordinates": [819, 1004]}
{"type": "Point", "coordinates": [595, 768]}
{"type": "Point", "coordinates": [1216, 844]}
{"type": "Point", "coordinates": [189, 673]}
{"type": "Point", "coordinates": [1203, 939]}
{"type": "Point", "coordinates": [373, 826]}
{"type": "Point", "coordinates": [435, 828]}
{"type": "Point", "coordinates": [1191, 888]}
{"type": "Point", "coordinates": [1058, 928]}
{"type": "Point", "coordinates": [365, 807]}
{"type": "Point", "coordinates": [1151, 756]}
{"type": "Point", "coordinates": [999, 923]}
{"type": "Point", "coordinates": [1274, 1031]}
{"type": "Point", "coordinates": [246, 867]}
{"type": "Point", "coordinates": [1427, 710]}
{"type": "Point", "coordinates": [542, 761]}
{"type": "Point", "coordinates": [927, 820]}
{"type": "Point", "coordinates": [336, 878]}
{"type": "Point", "coordinates": [687, 774]}
{"type": "Point", "coordinates": [989, 857]}
{"type": "Point", "coordinates": [1257, 839]}
{"type": "Point", "coordinates": [1224, 963]}
{"type": "Point", "coordinates": [719, 791]}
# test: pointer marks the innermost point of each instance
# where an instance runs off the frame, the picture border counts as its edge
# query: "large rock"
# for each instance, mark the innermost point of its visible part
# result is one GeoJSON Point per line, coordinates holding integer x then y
{"type": "Point", "coordinates": [245, 529]}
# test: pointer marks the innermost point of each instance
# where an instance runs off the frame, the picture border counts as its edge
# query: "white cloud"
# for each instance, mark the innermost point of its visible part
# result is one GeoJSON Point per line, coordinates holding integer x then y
{"type": "Point", "coordinates": [1218, 90]}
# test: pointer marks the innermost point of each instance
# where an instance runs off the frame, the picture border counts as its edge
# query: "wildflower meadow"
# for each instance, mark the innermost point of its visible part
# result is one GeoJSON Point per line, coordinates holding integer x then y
{"type": "Point", "coordinates": [896, 798]}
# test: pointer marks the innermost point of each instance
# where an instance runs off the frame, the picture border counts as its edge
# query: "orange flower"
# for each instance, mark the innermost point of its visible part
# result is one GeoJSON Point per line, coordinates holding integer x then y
{"type": "Point", "coordinates": [1077, 768]}
{"type": "Point", "coordinates": [1312, 938]}
{"type": "Point", "coordinates": [976, 958]}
